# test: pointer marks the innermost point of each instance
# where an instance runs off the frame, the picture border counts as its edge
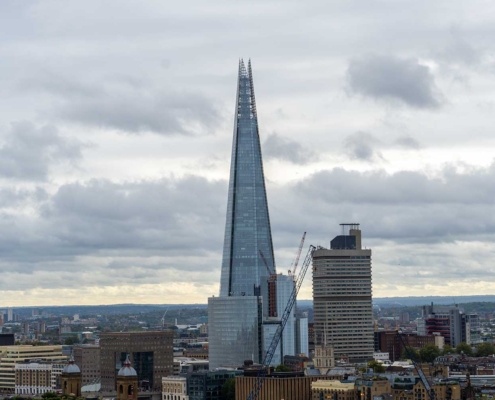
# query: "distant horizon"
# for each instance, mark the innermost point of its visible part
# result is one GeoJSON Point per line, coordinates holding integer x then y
{"type": "Point", "coordinates": [383, 300]}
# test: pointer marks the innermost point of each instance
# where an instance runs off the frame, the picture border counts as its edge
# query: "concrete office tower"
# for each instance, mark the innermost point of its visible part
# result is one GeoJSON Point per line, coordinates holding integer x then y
{"type": "Point", "coordinates": [88, 358]}
{"type": "Point", "coordinates": [10, 314]}
{"type": "Point", "coordinates": [234, 318]}
{"type": "Point", "coordinates": [343, 315]}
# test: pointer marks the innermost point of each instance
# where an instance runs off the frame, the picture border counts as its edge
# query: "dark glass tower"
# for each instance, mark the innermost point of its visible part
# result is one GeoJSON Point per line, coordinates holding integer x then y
{"type": "Point", "coordinates": [247, 229]}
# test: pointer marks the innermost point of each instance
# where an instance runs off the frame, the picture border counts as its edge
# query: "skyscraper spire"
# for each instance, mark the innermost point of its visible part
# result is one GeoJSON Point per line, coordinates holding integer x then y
{"type": "Point", "coordinates": [247, 228]}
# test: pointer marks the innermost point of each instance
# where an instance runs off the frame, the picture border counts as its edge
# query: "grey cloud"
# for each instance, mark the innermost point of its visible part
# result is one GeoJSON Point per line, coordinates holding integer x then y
{"type": "Point", "coordinates": [29, 151]}
{"type": "Point", "coordinates": [459, 50]}
{"type": "Point", "coordinates": [362, 146]}
{"type": "Point", "coordinates": [127, 104]}
{"type": "Point", "coordinates": [281, 148]}
{"type": "Point", "coordinates": [407, 142]}
{"type": "Point", "coordinates": [394, 79]}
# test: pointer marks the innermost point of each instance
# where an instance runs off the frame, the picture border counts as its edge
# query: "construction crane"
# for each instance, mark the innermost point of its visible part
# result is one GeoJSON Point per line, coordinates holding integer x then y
{"type": "Point", "coordinates": [417, 367]}
{"type": "Point", "coordinates": [296, 261]}
{"type": "Point", "coordinates": [258, 383]}
{"type": "Point", "coordinates": [163, 318]}
{"type": "Point", "coordinates": [266, 264]}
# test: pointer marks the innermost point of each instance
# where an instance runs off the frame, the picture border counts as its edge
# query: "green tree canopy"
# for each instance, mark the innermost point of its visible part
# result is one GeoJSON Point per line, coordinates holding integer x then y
{"type": "Point", "coordinates": [447, 349]}
{"type": "Point", "coordinates": [282, 368]}
{"type": "Point", "coordinates": [376, 366]}
{"type": "Point", "coordinates": [71, 340]}
{"type": "Point", "coordinates": [227, 392]}
{"type": "Point", "coordinates": [428, 353]}
{"type": "Point", "coordinates": [410, 353]}
{"type": "Point", "coordinates": [464, 348]}
{"type": "Point", "coordinates": [485, 349]}
{"type": "Point", "coordinates": [50, 395]}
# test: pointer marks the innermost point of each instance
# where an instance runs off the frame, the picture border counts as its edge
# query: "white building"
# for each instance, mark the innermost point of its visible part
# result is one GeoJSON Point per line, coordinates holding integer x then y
{"type": "Point", "coordinates": [36, 378]}
{"type": "Point", "coordinates": [174, 388]}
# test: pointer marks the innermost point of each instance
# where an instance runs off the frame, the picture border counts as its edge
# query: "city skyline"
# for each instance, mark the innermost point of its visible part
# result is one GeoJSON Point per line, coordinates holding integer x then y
{"type": "Point", "coordinates": [115, 143]}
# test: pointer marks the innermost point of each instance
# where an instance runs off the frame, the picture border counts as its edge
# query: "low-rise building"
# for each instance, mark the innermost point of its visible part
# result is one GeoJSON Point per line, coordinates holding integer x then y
{"type": "Point", "coordinates": [373, 386]}
{"type": "Point", "coordinates": [444, 391]}
{"type": "Point", "coordinates": [335, 390]}
{"type": "Point", "coordinates": [287, 386]}
{"type": "Point", "coordinates": [207, 385]}
{"type": "Point", "coordinates": [174, 388]}
{"type": "Point", "coordinates": [12, 355]}
{"type": "Point", "coordinates": [36, 378]}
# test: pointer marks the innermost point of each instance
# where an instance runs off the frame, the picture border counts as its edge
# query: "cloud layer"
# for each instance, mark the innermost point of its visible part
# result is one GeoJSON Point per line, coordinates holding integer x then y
{"type": "Point", "coordinates": [394, 79]}
{"type": "Point", "coordinates": [116, 133]}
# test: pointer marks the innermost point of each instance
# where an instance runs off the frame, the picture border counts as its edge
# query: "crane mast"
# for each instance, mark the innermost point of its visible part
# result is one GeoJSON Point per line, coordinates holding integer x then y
{"type": "Point", "coordinates": [417, 367]}
{"type": "Point", "coordinates": [258, 383]}
{"type": "Point", "coordinates": [296, 261]}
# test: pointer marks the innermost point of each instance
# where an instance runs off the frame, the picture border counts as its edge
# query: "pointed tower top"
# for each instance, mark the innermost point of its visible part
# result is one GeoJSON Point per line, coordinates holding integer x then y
{"type": "Point", "coordinates": [71, 368]}
{"type": "Point", "coordinates": [127, 369]}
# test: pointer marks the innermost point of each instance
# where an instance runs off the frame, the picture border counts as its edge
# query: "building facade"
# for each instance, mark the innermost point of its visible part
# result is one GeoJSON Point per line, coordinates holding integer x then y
{"type": "Point", "coordinates": [248, 259]}
{"type": "Point", "coordinates": [450, 322]}
{"type": "Point", "coordinates": [234, 324]}
{"type": "Point", "coordinates": [278, 387]}
{"type": "Point", "coordinates": [174, 388]}
{"type": "Point", "coordinates": [388, 342]}
{"type": "Point", "coordinates": [342, 302]}
{"type": "Point", "coordinates": [36, 378]}
{"type": "Point", "coordinates": [87, 357]}
{"type": "Point", "coordinates": [12, 355]}
{"type": "Point", "coordinates": [207, 385]}
{"type": "Point", "coordinates": [151, 355]}
{"type": "Point", "coordinates": [247, 228]}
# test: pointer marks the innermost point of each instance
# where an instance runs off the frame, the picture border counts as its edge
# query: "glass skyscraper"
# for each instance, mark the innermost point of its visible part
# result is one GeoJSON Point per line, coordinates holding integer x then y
{"type": "Point", "coordinates": [236, 317]}
{"type": "Point", "coordinates": [247, 229]}
{"type": "Point", "coordinates": [241, 322]}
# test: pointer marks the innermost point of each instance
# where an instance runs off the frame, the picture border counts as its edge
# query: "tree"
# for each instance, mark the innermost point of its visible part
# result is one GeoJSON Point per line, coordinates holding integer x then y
{"type": "Point", "coordinates": [447, 349]}
{"type": "Point", "coordinates": [485, 349]}
{"type": "Point", "coordinates": [282, 368]}
{"type": "Point", "coordinates": [464, 348]}
{"type": "Point", "coordinates": [428, 353]}
{"type": "Point", "coordinates": [227, 392]}
{"type": "Point", "coordinates": [71, 340]}
{"type": "Point", "coordinates": [50, 395]}
{"type": "Point", "coordinates": [376, 366]}
{"type": "Point", "coordinates": [410, 353]}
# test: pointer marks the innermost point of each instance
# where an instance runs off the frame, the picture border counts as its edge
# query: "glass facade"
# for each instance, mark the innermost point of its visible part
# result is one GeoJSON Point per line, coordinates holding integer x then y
{"type": "Point", "coordinates": [208, 385]}
{"type": "Point", "coordinates": [247, 228]}
{"type": "Point", "coordinates": [234, 330]}
{"type": "Point", "coordinates": [302, 339]}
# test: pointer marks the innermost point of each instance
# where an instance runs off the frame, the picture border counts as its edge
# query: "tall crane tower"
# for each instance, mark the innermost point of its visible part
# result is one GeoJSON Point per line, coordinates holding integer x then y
{"type": "Point", "coordinates": [298, 254]}
{"type": "Point", "coordinates": [429, 390]}
{"type": "Point", "coordinates": [258, 383]}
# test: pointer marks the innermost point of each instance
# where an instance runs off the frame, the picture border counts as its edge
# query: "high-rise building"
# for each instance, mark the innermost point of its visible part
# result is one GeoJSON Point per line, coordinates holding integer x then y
{"type": "Point", "coordinates": [87, 357]}
{"type": "Point", "coordinates": [151, 355]}
{"type": "Point", "coordinates": [247, 228]}
{"type": "Point", "coordinates": [10, 314]}
{"type": "Point", "coordinates": [235, 317]}
{"type": "Point", "coordinates": [343, 317]}
{"type": "Point", "coordinates": [451, 323]}
{"type": "Point", "coordinates": [244, 319]}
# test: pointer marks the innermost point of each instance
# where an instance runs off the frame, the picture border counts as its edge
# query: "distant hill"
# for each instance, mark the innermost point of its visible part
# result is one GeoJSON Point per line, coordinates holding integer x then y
{"type": "Point", "coordinates": [424, 300]}
{"type": "Point", "coordinates": [144, 308]}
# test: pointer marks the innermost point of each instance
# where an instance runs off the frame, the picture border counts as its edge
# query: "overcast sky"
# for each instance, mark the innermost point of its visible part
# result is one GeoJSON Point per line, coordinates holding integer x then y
{"type": "Point", "coordinates": [116, 122]}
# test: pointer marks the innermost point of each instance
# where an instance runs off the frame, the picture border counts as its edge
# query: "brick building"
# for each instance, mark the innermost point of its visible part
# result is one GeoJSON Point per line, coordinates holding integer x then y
{"type": "Point", "coordinates": [151, 355]}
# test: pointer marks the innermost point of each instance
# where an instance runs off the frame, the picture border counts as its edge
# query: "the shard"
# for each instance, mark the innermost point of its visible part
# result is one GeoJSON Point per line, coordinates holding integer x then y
{"type": "Point", "coordinates": [248, 237]}
{"type": "Point", "coordinates": [235, 319]}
